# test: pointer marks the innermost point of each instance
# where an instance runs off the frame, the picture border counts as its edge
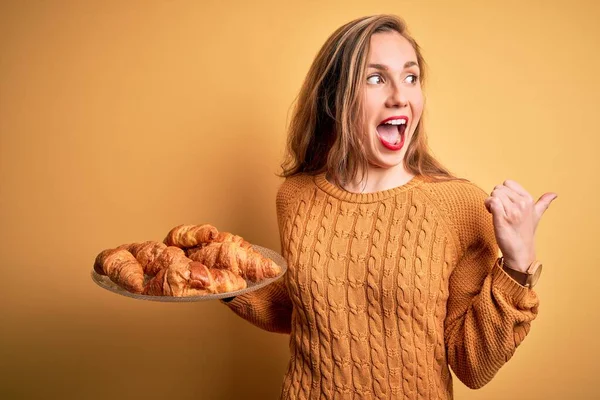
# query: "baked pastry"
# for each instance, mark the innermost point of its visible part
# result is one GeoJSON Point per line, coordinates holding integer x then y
{"type": "Point", "coordinates": [192, 260]}
{"type": "Point", "coordinates": [127, 264]}
{"type": "Point", "coordinates": [186, 236]}
{"type": "Point", "coordinates": [122, 268]}
{"type": "Point", "coordinates": [147, 253]}
{"type": "Point", "coordinates": [246, 262]}
{"type": "Point", "coordinates": [195, 237]}
{"type": "Point", "coordinates": [190, 278]}
{"type": "Point", "coordinates": [174, 274]}
{"type": "Point", "coordinates": [224, 237]}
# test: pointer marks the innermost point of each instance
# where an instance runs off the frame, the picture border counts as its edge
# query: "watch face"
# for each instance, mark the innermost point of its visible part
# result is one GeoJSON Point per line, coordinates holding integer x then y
{"type": "Point", "coordinates": [534, 267]}
{"type": "Point", "coordinates": [535, 276]}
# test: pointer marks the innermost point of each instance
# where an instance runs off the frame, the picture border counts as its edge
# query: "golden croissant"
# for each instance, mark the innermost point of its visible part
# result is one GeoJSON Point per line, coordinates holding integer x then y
{"type": "Point", "coordinates": [174, 273]}
{"type": "Point", "coordinates": [127, 264]}
{"type": "Point", "coordinates": [147, 253]}
{"type": "Point", "coordinates": [242, 261]}
{"type": "Point", "coordinates": [222, 237]}
{"type": "Point", "coordinates": [192, 260]}
{"type": "Point", "coordinates": [194, 237]}
{"type": "Point", "coordinates": [190, 278]}
{"type": "Point", "coordinates": [122, 268]}
{"type": "Point", "coordinates": [185, 236]}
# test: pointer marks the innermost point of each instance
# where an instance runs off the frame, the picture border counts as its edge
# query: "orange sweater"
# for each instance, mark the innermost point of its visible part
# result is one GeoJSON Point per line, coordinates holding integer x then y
{"type": "Point", "coordinates": [386, 290]}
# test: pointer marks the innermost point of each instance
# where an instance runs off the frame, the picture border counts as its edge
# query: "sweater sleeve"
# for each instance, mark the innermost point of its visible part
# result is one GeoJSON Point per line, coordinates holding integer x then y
{"type": "Point", "coordinates": [270, 308]}
{"type": "Point", "coordinates": [488, 313]}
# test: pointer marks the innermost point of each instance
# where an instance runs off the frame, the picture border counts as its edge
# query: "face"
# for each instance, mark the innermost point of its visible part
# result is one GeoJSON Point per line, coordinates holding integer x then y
{"type": "Point", "coordinates": [393, 99]}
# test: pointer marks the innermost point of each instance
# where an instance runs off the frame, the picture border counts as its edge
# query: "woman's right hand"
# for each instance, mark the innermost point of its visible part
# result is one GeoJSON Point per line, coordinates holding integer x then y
{"type": "Point", "coordinates": [227, 299]}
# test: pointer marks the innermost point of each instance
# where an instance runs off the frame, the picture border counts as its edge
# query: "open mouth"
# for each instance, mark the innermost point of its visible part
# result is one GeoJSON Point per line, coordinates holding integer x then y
{"type": "Point", "coordinates": [391, 132]}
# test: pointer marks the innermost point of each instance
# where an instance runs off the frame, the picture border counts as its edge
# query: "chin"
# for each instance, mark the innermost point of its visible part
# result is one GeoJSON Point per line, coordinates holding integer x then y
{"type": "Point", "coordinates": [380, 157]}
{"type": "Point", "coordinates": [387, 162]}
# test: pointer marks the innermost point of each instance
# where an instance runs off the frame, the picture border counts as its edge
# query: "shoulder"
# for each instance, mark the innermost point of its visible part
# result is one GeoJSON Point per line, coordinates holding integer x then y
{"type": "Point", "coordinates": [462, 203]}
{"type": "Point", "coordinates": [456, 192]}
{"type": "Point", "coordinates": [459, 198]}
{"type": "Point", "coordinates": [292, 187]}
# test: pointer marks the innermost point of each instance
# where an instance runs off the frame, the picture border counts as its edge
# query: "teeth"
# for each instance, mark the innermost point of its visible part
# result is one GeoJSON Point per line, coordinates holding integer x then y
{"type": "Point", "coordinates": [396, 122]}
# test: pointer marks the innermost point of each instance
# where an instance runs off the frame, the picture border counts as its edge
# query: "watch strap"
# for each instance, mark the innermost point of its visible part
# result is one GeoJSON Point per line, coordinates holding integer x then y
{"type": "Point", "coordinates": [522, 278]}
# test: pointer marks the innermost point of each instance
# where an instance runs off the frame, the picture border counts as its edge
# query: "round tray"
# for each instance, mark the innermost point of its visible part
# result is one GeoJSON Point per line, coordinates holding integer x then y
{"type": "Point", "coordinates": [104, 282]}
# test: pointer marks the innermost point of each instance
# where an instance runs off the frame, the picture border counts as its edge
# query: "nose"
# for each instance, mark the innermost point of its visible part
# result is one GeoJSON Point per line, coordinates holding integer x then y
{"type": "Point", "coordinates": [396, 97]}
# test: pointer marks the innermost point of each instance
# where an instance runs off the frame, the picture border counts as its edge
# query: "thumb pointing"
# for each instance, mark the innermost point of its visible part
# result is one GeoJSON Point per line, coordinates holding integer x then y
{"type": "Point", "coordinates": [544, 202]}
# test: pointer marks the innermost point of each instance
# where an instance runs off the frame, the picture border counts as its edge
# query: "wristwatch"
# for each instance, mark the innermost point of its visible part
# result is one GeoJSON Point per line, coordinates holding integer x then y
{"type": "Point", "coordinates": [528, 278]}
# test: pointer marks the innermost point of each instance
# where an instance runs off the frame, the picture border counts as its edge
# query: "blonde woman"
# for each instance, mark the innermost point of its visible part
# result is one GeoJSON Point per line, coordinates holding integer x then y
{"type": "Point", "coordinates": [395, 275]}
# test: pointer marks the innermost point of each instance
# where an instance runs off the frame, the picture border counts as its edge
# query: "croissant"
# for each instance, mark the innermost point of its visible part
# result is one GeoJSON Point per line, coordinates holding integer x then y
{"type": "Point", "coordinates": [191, 260]}
{"type": "Point", "coordinates": [122, 268]}
{"type": "Point", "coordinates": [222, 237]}
{"type": "Point", "coordinates": [190, 278]}
{"type": "Point", "coordinates": [190, 235]}
{"type": "Point", "coordinates": [127, 264]}
{"type": "Point", "coordinates": [147, 253]}
{"type": "Point", "coordinates": [171, 255]}
{"type": "Point", "coordinates": [245, 262]}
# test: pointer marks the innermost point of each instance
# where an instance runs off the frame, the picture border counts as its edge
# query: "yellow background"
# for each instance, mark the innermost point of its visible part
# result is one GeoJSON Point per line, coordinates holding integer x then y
{"type": "Point", "coordinates": [120, 120]}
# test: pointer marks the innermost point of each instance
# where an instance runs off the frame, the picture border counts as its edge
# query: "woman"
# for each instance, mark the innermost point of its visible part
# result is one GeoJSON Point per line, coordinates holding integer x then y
{"type": "Point", "coordinates": [394, 269]}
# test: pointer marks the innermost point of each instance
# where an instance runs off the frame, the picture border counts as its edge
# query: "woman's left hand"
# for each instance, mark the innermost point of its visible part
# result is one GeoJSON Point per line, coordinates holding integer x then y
{"type": "Point", "coordinates": [516, 217]}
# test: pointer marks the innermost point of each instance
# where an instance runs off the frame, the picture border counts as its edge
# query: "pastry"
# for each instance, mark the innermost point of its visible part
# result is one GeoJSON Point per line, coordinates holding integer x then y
{"type": "Point", "coordinates": [246, 262]}
{"type": "Point", "coordinates": [147, 253]}
{"type": "Point", "coordinates": [185, 236]}
{"type": "Point", "coordinates": [122, 268]}
{"type": "Point", "coordinates": [192, 260]}
{"type": "Point", "coordinates": [190, 278]}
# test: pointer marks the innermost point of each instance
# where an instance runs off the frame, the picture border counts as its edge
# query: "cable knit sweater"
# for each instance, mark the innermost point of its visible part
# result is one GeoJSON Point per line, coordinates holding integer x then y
{"type": "Point", "coordinates": [387, 290]}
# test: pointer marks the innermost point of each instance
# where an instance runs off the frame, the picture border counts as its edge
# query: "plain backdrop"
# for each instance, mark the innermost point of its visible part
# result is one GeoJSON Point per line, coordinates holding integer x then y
{"type": "Point", "coordinates": [122, 119]}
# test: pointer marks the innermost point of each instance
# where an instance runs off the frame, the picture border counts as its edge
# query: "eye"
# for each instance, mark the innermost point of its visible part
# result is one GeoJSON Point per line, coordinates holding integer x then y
{"type": "Point", "coordinates": [413, 79]}
{"type": "Point", "coordinates": [375, 79]}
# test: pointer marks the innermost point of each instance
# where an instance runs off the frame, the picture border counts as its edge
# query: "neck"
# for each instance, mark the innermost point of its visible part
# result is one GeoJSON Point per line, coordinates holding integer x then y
{"type": "Point", "coordinates": [379, 179]}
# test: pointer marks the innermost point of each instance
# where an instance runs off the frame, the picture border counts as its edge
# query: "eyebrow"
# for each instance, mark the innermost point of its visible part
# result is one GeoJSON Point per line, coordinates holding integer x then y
{"type": "Point", "coordinates": [382, 67]}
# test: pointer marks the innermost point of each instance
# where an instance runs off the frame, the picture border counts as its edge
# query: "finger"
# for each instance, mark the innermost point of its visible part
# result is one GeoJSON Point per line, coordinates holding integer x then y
{"type": "Point", "coordinates": [505, 201]}
{"type": "Point", "coordinates": [494, 206]}
{"type": "Point", "coordinates": [520, 204]}
{"type": "Point", "coordinates": [544, 202]}
{"type": "Point", "coordinates": [508, 192]}
{"type": "Point", "coordinates": [514, 185]}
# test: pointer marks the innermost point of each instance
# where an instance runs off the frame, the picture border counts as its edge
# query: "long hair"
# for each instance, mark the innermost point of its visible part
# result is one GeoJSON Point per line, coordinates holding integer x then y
{"type": "Point", "coordinates": [324, 130]}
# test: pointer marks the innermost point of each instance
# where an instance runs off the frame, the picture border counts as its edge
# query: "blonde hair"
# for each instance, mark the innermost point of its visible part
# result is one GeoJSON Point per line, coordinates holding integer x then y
{"type": "Point", "coordinates": [323, 132]}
